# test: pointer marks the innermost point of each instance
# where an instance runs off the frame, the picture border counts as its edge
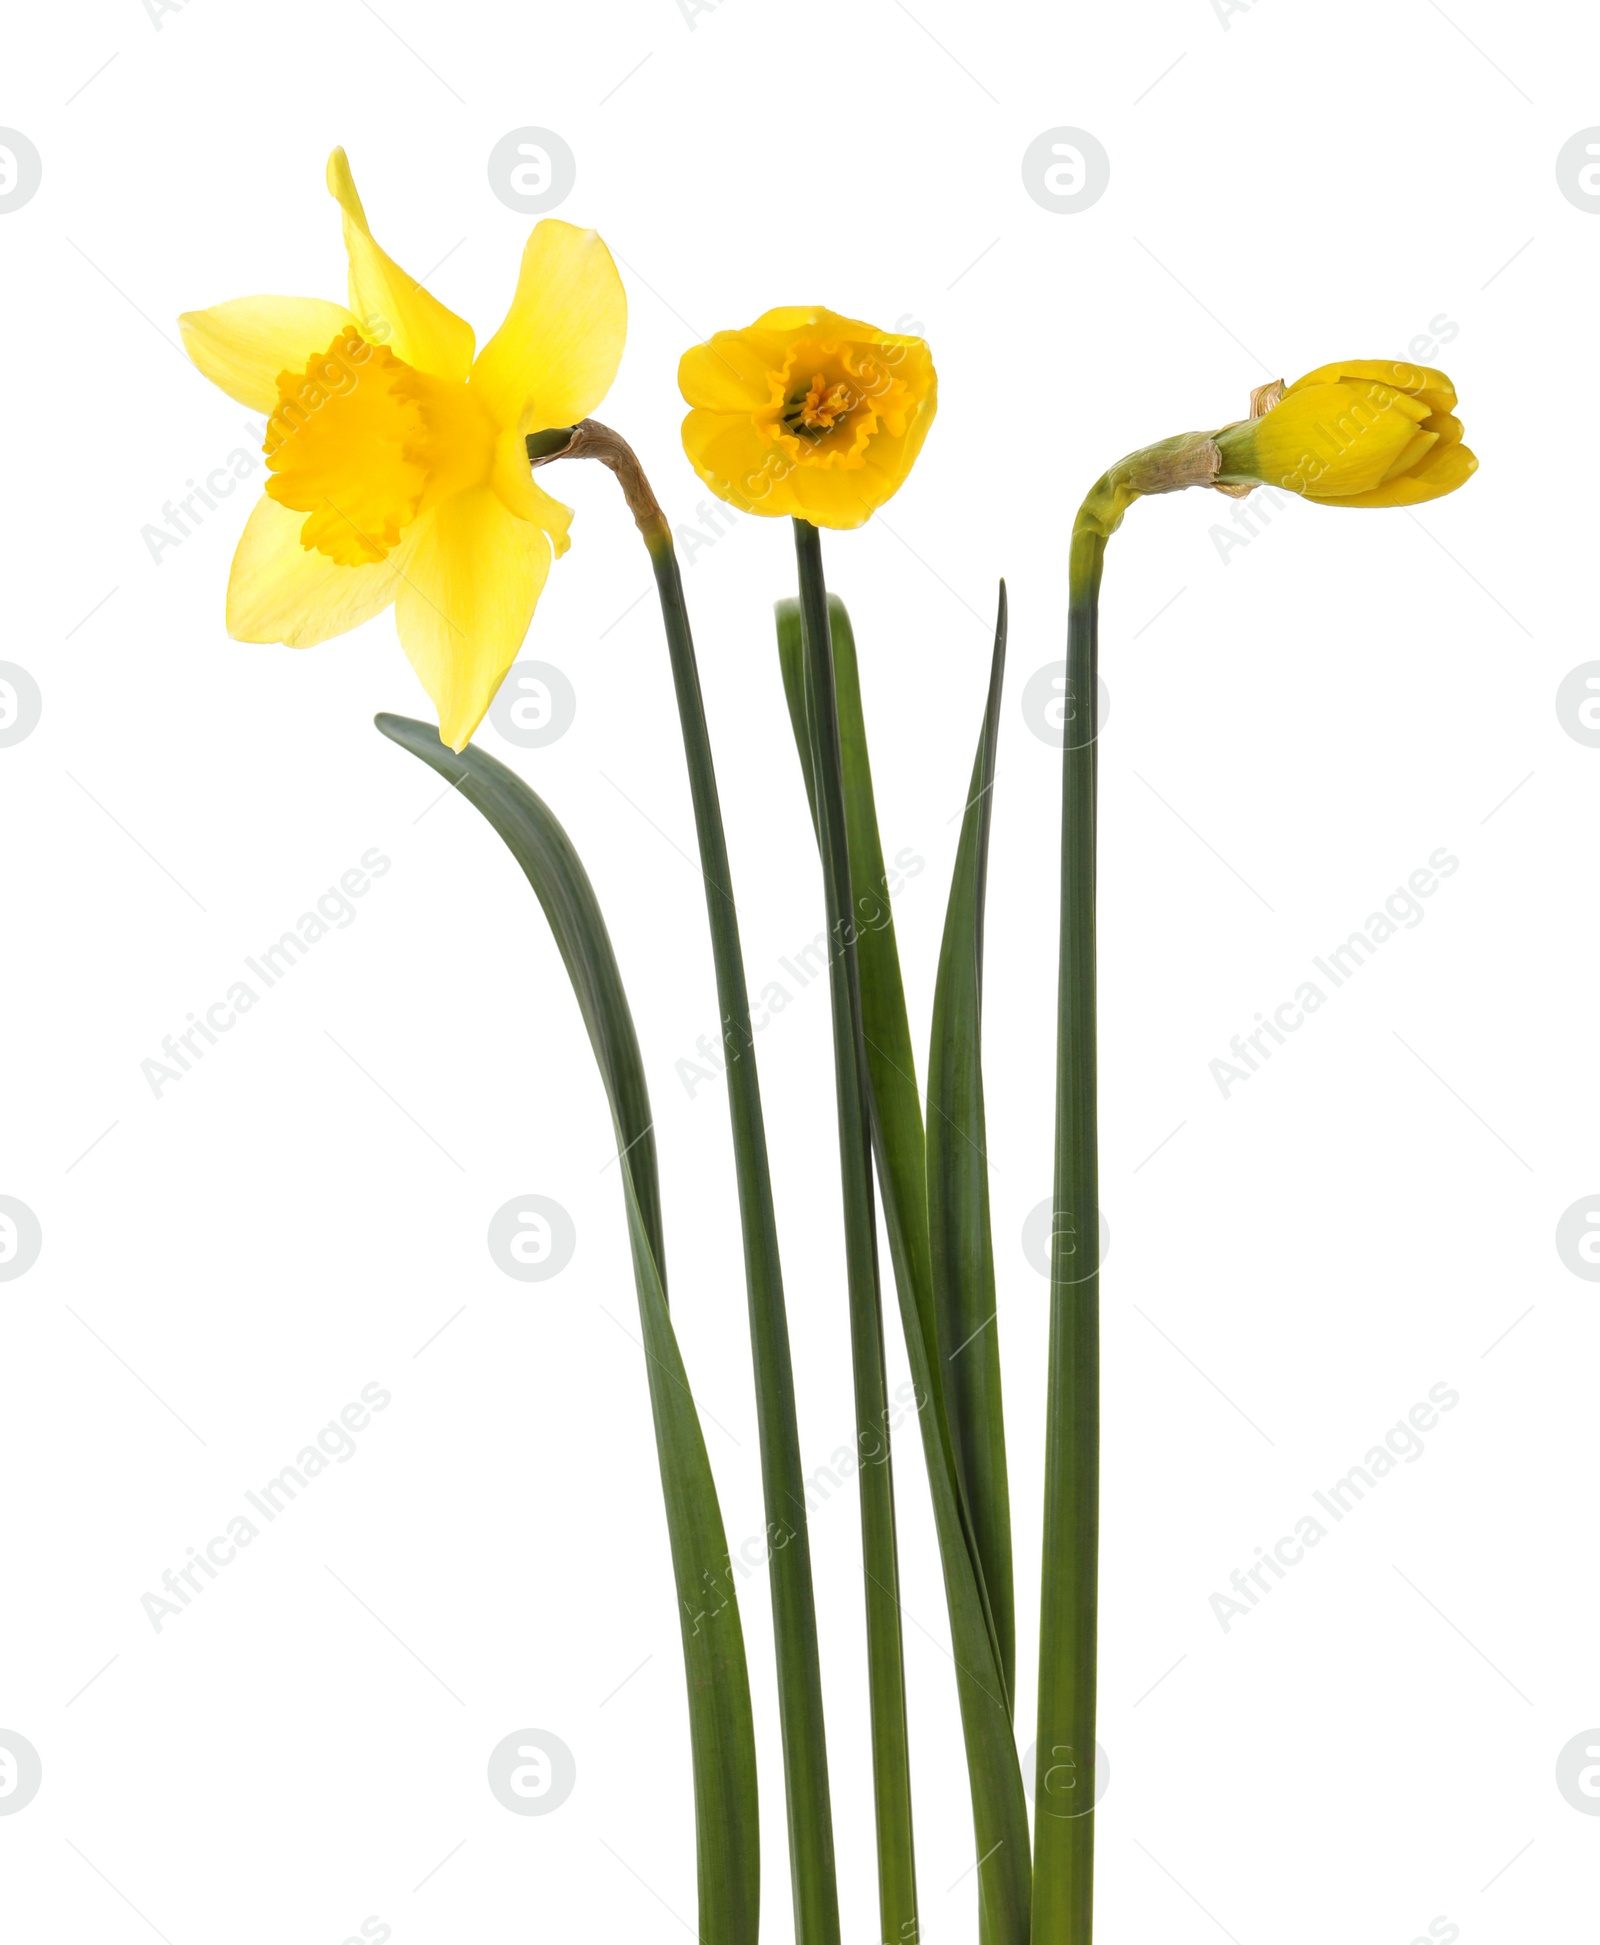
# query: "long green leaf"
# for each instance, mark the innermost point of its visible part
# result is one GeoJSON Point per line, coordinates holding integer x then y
{"type": "Point", "coordinates": [958, 1190]}
{"type": "Point", "coordinates": [999, 1806]}
{"type": "Point", "coordinates": [897, 1106]}
{"type": "Point", "coordinates": [887, 1031]}
{"type": "Point", "coordinates": [886, 1680]}
{"type": "Point", "coordinates": [722, 1734]}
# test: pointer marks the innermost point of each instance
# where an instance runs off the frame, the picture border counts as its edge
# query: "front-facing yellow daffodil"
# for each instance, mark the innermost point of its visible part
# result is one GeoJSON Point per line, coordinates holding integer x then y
{"type": "Point", "coordinates": [1366, 433]}
{"type": "Point", "coordinates": [807, 413]}
{"type": "Point", "coordinates": [398, 463]}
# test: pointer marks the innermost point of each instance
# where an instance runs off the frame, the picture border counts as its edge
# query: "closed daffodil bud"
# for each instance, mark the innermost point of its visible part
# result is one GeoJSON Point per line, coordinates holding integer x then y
{"type": "Point", "coordinates": [1369, 432]}
{"type": "Point", "coordinates": [807, 413]}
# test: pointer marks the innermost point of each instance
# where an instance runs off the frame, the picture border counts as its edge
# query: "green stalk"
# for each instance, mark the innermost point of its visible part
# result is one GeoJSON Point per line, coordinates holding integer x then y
{"type": "Point", "coordinates": [1063, 1836]}
{"type": "Point", "coordinates": [794, 1622]}
{"type": "Point", "coordinates": [1063, 1858]}
{"type": "Point", "coordinates": [891, 1764]}
{"type": "Point", "coordinates": [794, 1626]}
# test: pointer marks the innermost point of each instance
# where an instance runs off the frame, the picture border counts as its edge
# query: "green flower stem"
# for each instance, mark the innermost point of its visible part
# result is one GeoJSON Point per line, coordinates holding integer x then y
{"type": "Point", "coordinates": [891, 1765]}
{"type": "Point", "coordinates": [811, 1851]}
{"type": "Point", "coordinates": [1063, 1840]}
{"type": "Point", "coordinates": [794, 1622]}
{"type": "Point", "coordinates": [1063, 1854]}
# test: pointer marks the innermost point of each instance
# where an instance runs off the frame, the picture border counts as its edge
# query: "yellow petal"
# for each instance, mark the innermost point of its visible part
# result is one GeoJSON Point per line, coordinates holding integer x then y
{"type": "Point", "coordinates": [394, 309]}
{"type": "Point", "coordinates": [731, 372]}
{"type": "Point", "coordinates": [1423, 382]}
{"type": "Point", "coordinates": [1448, 466]}
{"type": "Point", "coordinates": [242, 345]}
{"type": "Point", "coordinates": [463, 607]}
{"type": "Point", "coordinates": [553, 359]}
{"type": "Point", "coordinates": [514, 483]}
{"type": "Point", "coordinates": [1328, 441]}
{"type": "Point", "coordinates": [891, 456]}
{"type": "Point", "coordinates": [1444, 469]}
{"type": "Point", "coordinates": [827, 499]}
{"type": "Point", "coordinates": [789, 319]}
{"type": "Point", "coordinates": [733, 459]}
{"type": "Point", "coordinates": [751, 473]}
{"type": "Point", "coordinates": [279, 591]}
{"type": "Point", "coordinates": [1410, 456]}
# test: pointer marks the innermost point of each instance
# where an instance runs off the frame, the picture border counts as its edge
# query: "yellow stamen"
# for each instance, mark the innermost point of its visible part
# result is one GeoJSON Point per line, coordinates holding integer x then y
{"type": "Point", "coordinates": [825, 405]}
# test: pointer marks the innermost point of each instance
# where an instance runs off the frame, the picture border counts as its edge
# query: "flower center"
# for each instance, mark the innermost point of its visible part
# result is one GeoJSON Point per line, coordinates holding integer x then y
{"type": "Point", "coordinates": [821, 409]}
{"type": "Point", "coordinates": [828, 401]}
{"type": "Point", "coordinates": [361, 443]}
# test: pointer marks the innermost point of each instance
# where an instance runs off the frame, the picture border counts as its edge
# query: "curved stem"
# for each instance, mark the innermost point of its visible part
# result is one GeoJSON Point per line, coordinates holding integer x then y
{"type": "Point", "coordinates": [811, 1850]}
{"type": "Point", "coordinates": [1063, 1841]}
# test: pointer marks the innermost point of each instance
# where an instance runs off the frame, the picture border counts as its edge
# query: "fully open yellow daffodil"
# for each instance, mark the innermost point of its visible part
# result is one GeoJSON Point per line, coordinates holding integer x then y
{"type": "Point", "coordinates": [807, 413]}
{"type": "Point", "coordinates": [1369, 432]}
{"type": "Point", "coordinates": [399, 470]}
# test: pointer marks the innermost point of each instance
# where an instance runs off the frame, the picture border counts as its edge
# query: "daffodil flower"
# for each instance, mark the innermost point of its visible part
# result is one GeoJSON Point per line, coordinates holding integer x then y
{"type": "Point", "coordinates": [1366, 433]}
{"type": "Point", "coordinates": [398, 463]}
{"type": "Point", "coordinates": [807, 413]}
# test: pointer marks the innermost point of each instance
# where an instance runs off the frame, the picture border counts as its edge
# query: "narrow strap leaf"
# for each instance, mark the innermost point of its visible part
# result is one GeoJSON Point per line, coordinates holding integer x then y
{"type": "Point", "coordinates": [721, 1731]}
{"type": "Point", "coordinates": [890, 1060]}
{"type": "Point", "coordinates": [886, 1677]}
{"type": "Point", "coordinates": [958, 1191]}
{"type": "Point", "coordinates": [999, 1807]}
{"type": "Point", "coordinates": [896, 1104]}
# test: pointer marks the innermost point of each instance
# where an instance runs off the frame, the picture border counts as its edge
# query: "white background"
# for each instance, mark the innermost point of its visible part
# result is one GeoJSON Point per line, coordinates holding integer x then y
{"type": "Point", "coordinates": [1293, 731]}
